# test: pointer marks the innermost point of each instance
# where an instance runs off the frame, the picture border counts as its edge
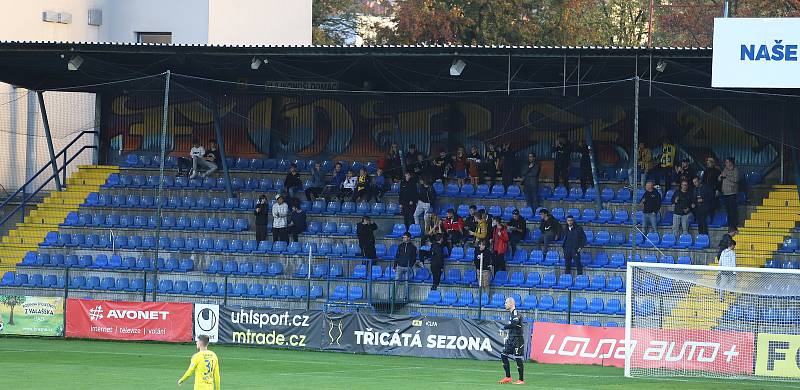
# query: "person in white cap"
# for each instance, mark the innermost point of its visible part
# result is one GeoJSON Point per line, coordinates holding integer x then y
{"type": "Point", "coordinates": [280, 216]}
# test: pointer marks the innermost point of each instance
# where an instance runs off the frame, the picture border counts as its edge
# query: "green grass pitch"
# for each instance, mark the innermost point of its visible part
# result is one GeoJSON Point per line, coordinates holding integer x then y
{"type": "Point", "coordinates": [71, 364]}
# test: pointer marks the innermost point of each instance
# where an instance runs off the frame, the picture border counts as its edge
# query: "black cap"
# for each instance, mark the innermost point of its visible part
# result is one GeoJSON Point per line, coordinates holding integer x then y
{"type": "Point", "coordinates": [515, 212]}
{"type": "Point", "coordinates": [407, 234]}
{"type": "Point", "coordinates": [543, 211]}
{"type": "Point", "coordinates": [570, 217]}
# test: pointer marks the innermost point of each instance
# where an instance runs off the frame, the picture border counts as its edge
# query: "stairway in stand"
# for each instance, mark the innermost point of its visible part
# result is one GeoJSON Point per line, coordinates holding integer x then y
{"type": "Point", "coordinates": [770, 223]}
{"type": "Point", "coordinates": [46, 216]}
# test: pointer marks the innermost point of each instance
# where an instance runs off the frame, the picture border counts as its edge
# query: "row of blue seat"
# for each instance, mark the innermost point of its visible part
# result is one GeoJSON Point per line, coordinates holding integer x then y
{"type": "Point", "coordinates": [777, 315]}
{"type": "Point", "coordinates": [525, 319]}
{"type": "Point", "coordinates": [529, 302]}
{"type": "Point", "coordinates": [168, 222]}
{"type": "Point", "coordinates": [784, 264]}
{"type": "Point", "coordinates": [103, 262]}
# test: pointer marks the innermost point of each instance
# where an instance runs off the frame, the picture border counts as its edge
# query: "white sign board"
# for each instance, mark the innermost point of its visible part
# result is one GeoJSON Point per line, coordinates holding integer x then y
{"type": "Point", "coordinates": [756, 53]}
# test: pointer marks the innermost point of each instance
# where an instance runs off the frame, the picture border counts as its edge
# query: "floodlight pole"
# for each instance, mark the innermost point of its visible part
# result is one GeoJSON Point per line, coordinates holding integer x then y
{"type": "Point", "coordinates": [635, 181]}
{"type": "Point", "coordinates": [221, 146]}
{"type": "Point", "coordinates": [49, 137]}
{"type": "Point", "coordinates": [160, 197]}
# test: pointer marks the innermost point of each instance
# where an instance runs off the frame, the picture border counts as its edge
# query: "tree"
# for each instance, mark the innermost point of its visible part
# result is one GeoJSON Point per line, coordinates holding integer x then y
{"type": "Point", "coordinates": [11, 301]}
{"type": "Point", "coordinates": [334, 22]}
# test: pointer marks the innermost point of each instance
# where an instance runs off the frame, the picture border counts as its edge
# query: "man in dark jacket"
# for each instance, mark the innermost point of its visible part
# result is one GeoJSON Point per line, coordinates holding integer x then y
{"type": "Point", "coordinates": [682, 200]}
{"type": "Point", "coordinates": [408, 199]}
{"type": "Point", "coordinates": [530, 181]}
{"type": "Point", "coordinates": [726, 240]}
{"type": "Point", "coordinates": [261, 218]}
{"type": "Point", "coordinates": [561, 160]}
{"type": "Point", "coordinates": [574, 241]}
{"type": "Point", "coordinates": [651, 205]}
{"type": "Point", "coordinates": [437, 260]}
{"type": "Point", "coordinates": [405, 260]}
{"type": "Point", "coordinates": [292, 184]}
{"type": "Point", "coordinates": [508, 165]}
{"type": "Point", "coordinates": [703, 198]}
{"type": "Point", "coordinates": [365, 231]}
{"type": "Point", "coordinates": [550, 229]}
{"type": "Point", "coordinates": [297, 222]}
{"type": "Point", "coordinates": [317, 183]}
{"type": "Point", "coordinates": [517, 229]}
{"type": "Point", "coordinates": [710, 179]}
{"type": "Point", "coordinates": [586, 178]}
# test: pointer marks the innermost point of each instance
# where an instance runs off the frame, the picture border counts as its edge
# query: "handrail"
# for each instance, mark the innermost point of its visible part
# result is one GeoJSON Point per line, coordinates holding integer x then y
{"type": "Point", "coordinates": [30, 195]}
{"type": "Point", "coordinates": [43, 168]}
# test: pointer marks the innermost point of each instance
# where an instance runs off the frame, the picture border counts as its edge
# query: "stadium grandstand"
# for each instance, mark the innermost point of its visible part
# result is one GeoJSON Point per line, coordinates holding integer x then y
{"type": "Point", "coordinates": [142, 223]}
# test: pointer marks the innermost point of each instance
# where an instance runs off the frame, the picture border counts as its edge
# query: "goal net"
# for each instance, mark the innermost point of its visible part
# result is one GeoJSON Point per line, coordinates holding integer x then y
{"type": "Point", "coordinates": [717, 322]}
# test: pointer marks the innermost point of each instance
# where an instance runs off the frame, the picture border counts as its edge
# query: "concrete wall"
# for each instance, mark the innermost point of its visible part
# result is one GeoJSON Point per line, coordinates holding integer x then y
{"type": "Point", "coordinates": [187, 20]}
{"type": "Point", "coordinates": [22, 20]}
{"type": "Point", "coordinates": [260, 22]}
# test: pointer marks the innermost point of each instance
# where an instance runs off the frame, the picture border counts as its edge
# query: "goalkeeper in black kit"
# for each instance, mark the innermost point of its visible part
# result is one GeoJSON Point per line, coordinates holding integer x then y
{"type": "Point", "coordinates": [515, 344]}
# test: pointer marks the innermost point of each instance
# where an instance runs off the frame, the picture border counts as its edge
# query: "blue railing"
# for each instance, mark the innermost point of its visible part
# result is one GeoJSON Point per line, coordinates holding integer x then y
{"type": "Point", "coordinates": [27, 196]}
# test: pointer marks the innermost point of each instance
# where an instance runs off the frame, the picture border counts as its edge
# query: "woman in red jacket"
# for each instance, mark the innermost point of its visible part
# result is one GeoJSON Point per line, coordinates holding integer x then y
{"type": "Point", "coordinates": [499, 244]}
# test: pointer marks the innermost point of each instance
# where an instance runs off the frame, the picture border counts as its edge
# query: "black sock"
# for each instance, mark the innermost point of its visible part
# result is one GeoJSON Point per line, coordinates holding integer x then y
{"type": "Point", "coordinates": [520, 368]}
{"type": "Point", "coordinates": [506, 366]}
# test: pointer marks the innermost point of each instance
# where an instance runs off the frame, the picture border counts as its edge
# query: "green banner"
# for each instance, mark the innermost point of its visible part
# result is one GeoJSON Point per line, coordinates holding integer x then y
{"type": "Point", "coordinates": [31, 316]}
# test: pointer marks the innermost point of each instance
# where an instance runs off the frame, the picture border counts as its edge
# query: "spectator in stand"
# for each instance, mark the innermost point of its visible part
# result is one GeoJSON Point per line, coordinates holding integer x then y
{"type": "Point", "coordinates": [441, 166]}
{"type": "Point", "coordinates": [481, 232]}
{"type": "Point", "coordinates": [471, 222]}
{"type": "Point", "coordinates": [365, 231]}
{"type": "Point", "coordinates": [711, 180]}
{"type": "Point", "coordinates": [651, 206]}
{"type": "Point", "coordinates": [317, 183]}
{"type": "Point", "coordinates": [550, 229]}
{"type": "Point", "coordinates": [437, 260]}
{"type": "Point", "coordinates": [453, 229]}
{"type": "Point", "coordinates": [460, 166]}
{"type": "Point", "coordinates": [726, 280]}
{"type": "Point", "coordinates": [337, 178]}
{"type": "Point", "coordinates": [574, 241]}
{"type": "Point", "coordinates": [261, 218]}
{"type": "Point", "coordinates": [530, 181]}
{"type": "Point", "coordinates": [292, 184]}
{"type": "Point", "coordinates": [433, 226]}
{"type": "Point", "coordinates": [363, 186]}
{"type": "Point", "coordinates": [586, 178]}
{"type": "Point", "coordinates": [726, 240]}
{"type": "Point", "coordinates": [499, 244]}
{"type": "Point", "coordinates": [421, 167]}
{"type": "Point", "coordinates": [517, 229]}
{"type": "Point", "coordinates": [684, 172]}
{"type": "Point", "coordinates": [729, 180]}
{"type": "Point", "coordinates": [474, 163]}
{"type": "Point", "coordinates": [405, 260]}
{"type": "Point", "coordinates": [682, 200]}
{"type": "Point", "coordinates": [394, 164]}
{"type": "Point", "coordinates": [408, 198]}
{"type": "Point", "coordinates": [379, 186]}
{"type": "Point", "coordinates": [482, 255]}
{"type": "Point", "coordinates": [644, 159]}
{"type": "Point", "coordinates": [348, 187]}
{"type": "Point", "coordinates": [666, 162]}
{"type": "Point", "coordinates": [508, 165]}
{"type": "Point", "coordinates": [411, 156]}
{"type": "Point", "coordinates": [703, 197]}
{"type": "Point", "coordinates": [204, 159]}
{"type": "Point", "coordinates": [491, 163]}
{"type": "Point", "coordinates": [297, 222]}
{"type": "Point", "coordinates": [426, 199]}
{"type": "Point", "coordinates": [561, 161]}
{"type": "Point", "coordinates": [280, 219]}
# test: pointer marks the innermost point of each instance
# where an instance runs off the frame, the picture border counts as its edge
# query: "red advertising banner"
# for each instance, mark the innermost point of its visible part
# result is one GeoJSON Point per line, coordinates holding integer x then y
{"type": "Point", "coordinates": [111, 320]}
{"type": "Point", "coordinates": [575, 344]}
{"type": "Point", "coordinates": [691, 350]}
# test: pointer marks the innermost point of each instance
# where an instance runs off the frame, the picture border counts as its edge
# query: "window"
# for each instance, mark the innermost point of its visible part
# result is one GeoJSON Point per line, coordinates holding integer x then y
{"type": "Point", "coordinates": [154, 37]}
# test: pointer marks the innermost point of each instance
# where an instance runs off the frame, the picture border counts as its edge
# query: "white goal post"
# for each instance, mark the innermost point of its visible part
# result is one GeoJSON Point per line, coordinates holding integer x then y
{"type": "Point", "coordinates": [715, 322]}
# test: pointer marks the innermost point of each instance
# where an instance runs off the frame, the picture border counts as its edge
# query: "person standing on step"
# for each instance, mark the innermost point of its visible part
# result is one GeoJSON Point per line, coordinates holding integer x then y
{"type": "Point", "coordinates": [682, 200]}
{"type": "Point", "coordinates": [574, 241]}
{"type": "Point", "coordinates": [408, 197]}
{"type": "Point", "coordinates": [725, 241]}
{"type": "Point", "coordinates": [297, 222]}
{"type": "Point", "coordinates": [499, 245]}
{"type": "Point", "coordinates": [729, 182]}
{"type": "Point", "coordinates": [651, 206]}
{"type": "Point", "coordinates": [711, 180]}
{"type": "Point", "coordinates": [292, 184]}
{"type": "Point", "coordinates": [280, 219]}
{"type": "Point", "coordinates": [586, 178]}
{"type": "Point", "coordinates": [261, 218]}
{"type": "Point", "coordinates": [561, 160]}
{"type": "Point", "coordinates": [508, 165]}
{"type": "Point", "coordinates": [405, 259]}
{"type": "Point", "coordinates": [530, 181]}
{"type": "Point", "coordinates": [703, 197]}
{"type": "Point", "coordinates": [726, 280]}
{"type": "Point", "coordinates": [426, 199]}
{"type": "Point", "coordinates": [437, 260]}
{"type": "Point", "coordinates": [365, 231]}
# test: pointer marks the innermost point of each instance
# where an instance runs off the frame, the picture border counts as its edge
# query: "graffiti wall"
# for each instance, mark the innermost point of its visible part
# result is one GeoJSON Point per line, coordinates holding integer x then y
{"type": "Point", "coordinates": [359, 127]}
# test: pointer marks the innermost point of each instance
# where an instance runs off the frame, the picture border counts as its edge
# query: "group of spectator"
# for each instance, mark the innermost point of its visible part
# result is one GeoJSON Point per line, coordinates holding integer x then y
{"type": "Point", "coordinates": [699, 194]}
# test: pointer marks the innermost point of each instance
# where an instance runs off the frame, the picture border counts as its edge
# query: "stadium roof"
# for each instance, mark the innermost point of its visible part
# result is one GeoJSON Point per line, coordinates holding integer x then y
{"type": "Point", "coordinates": [42, 65]}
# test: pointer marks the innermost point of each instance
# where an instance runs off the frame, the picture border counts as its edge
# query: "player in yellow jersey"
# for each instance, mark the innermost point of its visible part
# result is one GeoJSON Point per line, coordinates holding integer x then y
{"type": "Point", "coordinates": [205, 367]}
